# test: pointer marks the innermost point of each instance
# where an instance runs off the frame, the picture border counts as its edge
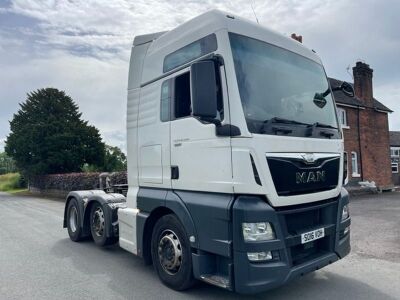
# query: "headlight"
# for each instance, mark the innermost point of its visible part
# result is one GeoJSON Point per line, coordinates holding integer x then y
{"type": "Point", "coordinates": [345, 212]}
{"type": "Point", "coordinates": [261, 231]}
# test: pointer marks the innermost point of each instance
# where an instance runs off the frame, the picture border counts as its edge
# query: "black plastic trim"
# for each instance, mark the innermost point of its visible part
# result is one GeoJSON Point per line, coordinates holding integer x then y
{"type": "Point", "coordinates": [255, 172]}
{"type": "Point", "coordinates": [174, 172]}
{"type": "Point", "coordinates": [254, 277]}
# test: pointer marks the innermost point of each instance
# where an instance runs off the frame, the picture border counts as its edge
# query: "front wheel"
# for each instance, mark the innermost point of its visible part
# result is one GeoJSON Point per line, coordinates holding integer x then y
{"type": "Point", "coordinates": [170, 250]}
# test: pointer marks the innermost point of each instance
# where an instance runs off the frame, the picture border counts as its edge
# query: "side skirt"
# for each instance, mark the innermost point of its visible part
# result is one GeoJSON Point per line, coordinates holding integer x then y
{"type": "Point", "coordinates": [127, 218]}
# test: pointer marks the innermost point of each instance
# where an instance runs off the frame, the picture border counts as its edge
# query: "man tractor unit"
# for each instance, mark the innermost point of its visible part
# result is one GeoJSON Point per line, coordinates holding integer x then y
{"type": "Point", "coordinates": [235, 160]}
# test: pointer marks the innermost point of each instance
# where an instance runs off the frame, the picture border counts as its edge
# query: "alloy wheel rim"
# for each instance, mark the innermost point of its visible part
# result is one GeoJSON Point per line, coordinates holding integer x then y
{"type": "Point", "coordinates": [170, 252]}
{"type": "Point", "coordinates": [98, 222]}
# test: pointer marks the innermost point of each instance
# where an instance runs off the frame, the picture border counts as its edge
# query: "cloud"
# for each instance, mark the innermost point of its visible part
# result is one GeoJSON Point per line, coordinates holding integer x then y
{"type": "Point", "coordinates": [83, 47]}
{"type": "Point", "coordinates": [391, 95]}
{"type": "Point", "coordinates": [99, 87]}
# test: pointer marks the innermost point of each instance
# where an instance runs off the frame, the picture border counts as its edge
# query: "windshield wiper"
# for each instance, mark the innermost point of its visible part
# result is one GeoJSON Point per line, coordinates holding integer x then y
{"type": "Point", "coordinates": [321, 125]}
{"type": "Point", "coordinates": [327, 134]}
{"type": "Point", "coordinates": [276, 129]}
{"type": "Point", "coordinates": [282, 121]}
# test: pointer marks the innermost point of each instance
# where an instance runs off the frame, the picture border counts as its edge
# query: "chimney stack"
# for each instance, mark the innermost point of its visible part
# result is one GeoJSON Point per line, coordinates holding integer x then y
{"type": "Point", "coordinates": [363, 83]}
{"type": "Point", "coordinates": [298, 38]}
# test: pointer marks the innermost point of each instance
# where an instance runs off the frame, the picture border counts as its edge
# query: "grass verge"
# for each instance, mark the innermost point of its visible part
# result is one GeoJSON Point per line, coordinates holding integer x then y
{"type": "Point", "coordinates": [11, 183]}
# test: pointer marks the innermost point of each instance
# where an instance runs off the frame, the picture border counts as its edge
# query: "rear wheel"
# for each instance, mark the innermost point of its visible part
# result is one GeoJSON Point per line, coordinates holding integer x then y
{"type": "Point", "coordinates": [74, 221]}
{"type": "Point", "coordinates": [98, 225]}
{"type": "Point", "coordinates": [170, 250]}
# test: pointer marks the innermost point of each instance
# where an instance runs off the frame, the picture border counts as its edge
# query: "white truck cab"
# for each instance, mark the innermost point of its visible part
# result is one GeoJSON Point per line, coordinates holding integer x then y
{"type": "Point", "coordinates": [235, 160]}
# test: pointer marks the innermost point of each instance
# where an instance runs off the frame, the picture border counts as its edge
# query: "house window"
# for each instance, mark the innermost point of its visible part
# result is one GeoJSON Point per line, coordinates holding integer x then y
{"type": "Point", "coordinates": [342, 117]}
{"type": "Point", "coordinates": [395, 168]}
{"type": "Point", "coordinates": [395, 151]}
{"type": "Point", "coordinates": [354, 164]}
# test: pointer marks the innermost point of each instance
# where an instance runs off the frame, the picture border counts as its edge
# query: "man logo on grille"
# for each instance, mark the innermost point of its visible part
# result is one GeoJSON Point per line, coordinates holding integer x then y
{"type": "Point", "coordinates": [309, 177]}
{"type": "Point", "coordinates": [308, 158]}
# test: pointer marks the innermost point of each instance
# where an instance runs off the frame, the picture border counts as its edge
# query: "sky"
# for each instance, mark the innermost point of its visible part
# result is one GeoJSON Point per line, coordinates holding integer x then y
{"type": "Point", "coordinates": [83, 46]}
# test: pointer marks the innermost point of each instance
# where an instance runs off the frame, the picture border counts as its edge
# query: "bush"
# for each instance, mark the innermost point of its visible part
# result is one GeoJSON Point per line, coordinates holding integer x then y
{"type": "Point", "coordinates": [11, 181]}
{"type": "Point", "coordinates": [66, 182]}
{"type": "Point", "coordinates": [74, 181]}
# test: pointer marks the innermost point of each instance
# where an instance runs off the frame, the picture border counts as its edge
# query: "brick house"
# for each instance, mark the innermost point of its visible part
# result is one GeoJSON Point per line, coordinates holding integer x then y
{"type": "Point", "coordinates": [394, 137]}
{"type": "Point", "coordinates": [366, 131]}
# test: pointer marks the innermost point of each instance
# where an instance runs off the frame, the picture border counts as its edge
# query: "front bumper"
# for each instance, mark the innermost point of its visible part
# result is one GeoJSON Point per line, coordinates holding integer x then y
{"type": "Point", "coordinates": [291, 259]}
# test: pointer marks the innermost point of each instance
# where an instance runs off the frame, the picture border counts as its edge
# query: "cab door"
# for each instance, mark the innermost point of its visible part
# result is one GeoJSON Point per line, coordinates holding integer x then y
{"type": "Point", "coordinates": [200, 160]}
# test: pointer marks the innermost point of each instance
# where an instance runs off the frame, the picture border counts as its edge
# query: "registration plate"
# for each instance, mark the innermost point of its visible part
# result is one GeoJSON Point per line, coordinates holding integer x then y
{"type": "Point", "coordinates": [312, 235]}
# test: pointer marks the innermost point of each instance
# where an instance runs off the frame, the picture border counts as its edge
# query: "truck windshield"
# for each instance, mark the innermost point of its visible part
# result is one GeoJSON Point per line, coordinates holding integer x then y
{"type": "Point", "coordinates": [278, 85]}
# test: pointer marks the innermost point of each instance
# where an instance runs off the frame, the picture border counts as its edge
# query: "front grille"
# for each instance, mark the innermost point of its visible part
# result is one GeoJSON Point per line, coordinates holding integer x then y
{"type": "Point", "coordinates": [302, 220]}
{"type": "Point", "coordinates": [293, 176]}
{"type": "Point", "coordinates": [305, 218]}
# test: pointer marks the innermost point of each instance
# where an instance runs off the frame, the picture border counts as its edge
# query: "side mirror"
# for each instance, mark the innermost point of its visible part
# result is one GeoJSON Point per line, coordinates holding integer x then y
{"type": "Point", "coordinates": [203, 89]}
{"type": "Point", "coordinates": [347, 89]}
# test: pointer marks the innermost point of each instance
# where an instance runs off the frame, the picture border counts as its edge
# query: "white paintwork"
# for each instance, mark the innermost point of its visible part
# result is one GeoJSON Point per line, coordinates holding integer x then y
{"type": "Point", "coordinates": [127, 216]}
{"type": "Point", "coordinates": [127, 229]}
{"type": "Point", "coordinates": [150, 162]}
{"type": "Point", "coordinates": [153, 140]}
{"type": "Point", "coordinates": [206, 162]}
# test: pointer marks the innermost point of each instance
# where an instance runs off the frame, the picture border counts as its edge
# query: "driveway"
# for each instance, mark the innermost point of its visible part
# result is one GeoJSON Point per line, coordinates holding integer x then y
{"type": "Point", "coordinates": [38, 261]}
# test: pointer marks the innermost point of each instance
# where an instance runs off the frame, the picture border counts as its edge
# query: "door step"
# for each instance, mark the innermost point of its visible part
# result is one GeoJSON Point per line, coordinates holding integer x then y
{"type": "Point", "coordinates": [217, 280]}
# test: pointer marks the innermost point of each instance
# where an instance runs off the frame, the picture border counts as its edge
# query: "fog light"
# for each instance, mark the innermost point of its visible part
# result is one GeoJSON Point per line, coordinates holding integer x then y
{"type": "Point", "coordinates": [259, 256]}
{"type": "Point", "coordinates": [261, 231]}
{"type": "Point", "coordinates": [346, 230]}
{"type": "Point", "coordinates": [345, 212]}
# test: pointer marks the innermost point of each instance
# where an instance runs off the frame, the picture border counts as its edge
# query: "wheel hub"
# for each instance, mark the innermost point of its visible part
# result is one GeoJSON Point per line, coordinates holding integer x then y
{"type": "Point", "coordinates": [98, 222]}
{"type": "Point", "coordinates": [170, 252]}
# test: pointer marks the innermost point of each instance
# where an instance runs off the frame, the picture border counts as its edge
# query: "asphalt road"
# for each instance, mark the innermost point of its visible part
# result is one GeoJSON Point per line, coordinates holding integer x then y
{"type": "Point", "coordinates": [38, 261]}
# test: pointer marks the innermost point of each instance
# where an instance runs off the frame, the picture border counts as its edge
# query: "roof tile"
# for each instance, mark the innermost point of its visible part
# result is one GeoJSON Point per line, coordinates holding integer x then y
{"type": "Point", "coordinates": [394, 137]}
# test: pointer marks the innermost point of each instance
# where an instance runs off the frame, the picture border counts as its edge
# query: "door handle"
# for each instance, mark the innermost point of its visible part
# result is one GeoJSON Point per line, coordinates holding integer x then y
{"type": "Point", "coordinates": [174, 172]}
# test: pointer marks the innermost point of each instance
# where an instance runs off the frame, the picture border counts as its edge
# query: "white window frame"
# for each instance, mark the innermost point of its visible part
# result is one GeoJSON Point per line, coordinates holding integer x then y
{"type": "Point", "coordinates": [342, 116]}
{"type": "Point", "coordinates": [397, 168]}
{"type": "Point", "coordinates": [354, 162]}
{"type": "Point", "coordinates": [392, 151]}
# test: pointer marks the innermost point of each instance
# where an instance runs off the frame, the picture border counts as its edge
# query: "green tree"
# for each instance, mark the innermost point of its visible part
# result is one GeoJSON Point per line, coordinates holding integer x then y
{"type": "Point", "coordinates": [7, 164]}
{"type": "Point", "coordinates": [49, 136]}
{"type": "Point", "coordinates": [114, 159]}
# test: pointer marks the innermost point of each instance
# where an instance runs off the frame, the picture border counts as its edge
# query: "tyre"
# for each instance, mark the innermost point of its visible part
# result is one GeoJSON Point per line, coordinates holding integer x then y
{"type": "Point", "coordinates": [171, 254]}
{"type": "Point", "coordinates": [98, 225]}
{"type": "Point", "coordinates": [74, 221]}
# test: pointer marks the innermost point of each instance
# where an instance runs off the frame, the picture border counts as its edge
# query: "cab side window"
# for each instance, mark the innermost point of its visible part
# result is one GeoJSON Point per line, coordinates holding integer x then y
{"type": "Point", "coordinates": [165, 111]}
{"type": "Point", "coordinates": [182, 107]}
{"type": "Point", "coordinates": [176, 100]}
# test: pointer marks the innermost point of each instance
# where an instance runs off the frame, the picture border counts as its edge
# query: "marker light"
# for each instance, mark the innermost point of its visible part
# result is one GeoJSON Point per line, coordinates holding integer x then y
{"type": "Point", "coordinates": [345, 212]}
